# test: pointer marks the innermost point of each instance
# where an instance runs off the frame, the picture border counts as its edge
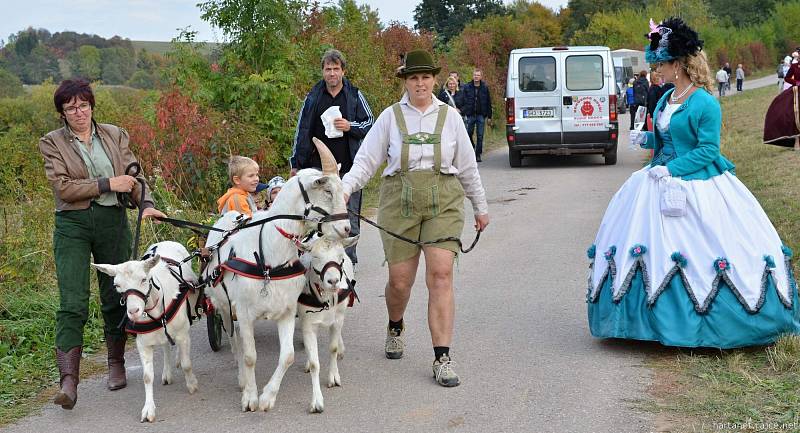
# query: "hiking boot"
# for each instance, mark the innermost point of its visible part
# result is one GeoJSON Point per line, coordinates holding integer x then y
{"type": "Point", "coordinates": [443, 372]}
{"type": "Point", "coordinates": [116, 363]}
{"type": "Point", "coordinates": [69, 366]}
{"type": "Point", "coordinates": [394, 343]}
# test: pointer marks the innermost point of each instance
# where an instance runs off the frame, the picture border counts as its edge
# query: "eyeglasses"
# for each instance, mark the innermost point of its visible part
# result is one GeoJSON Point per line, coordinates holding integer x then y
{"type": "Point", "coordinates": [84, 107]}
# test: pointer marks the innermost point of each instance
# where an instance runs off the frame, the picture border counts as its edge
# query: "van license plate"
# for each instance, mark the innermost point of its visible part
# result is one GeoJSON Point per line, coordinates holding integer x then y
{"type": "Point", "coordinates": [533, 113]}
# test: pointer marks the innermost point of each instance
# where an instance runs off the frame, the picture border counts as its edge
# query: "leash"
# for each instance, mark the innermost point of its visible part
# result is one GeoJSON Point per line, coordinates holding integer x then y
{"type": "Point", "coordinates": [188, 225]}
{"type": "Point", "coordinates": [326, 218]}
{"type": "Point", "coordinates": [420, 243]}
{"type": "Point", "coordinates": [126, 200]}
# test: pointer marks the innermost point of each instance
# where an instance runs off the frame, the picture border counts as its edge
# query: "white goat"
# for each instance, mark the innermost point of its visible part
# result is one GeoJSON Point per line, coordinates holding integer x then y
{"type": "Point", "coordinates": [324, 302]}
{"type": "Point", "coordinates": [275, 243]}
{"type": "Point", "coordinates": [149, 289]}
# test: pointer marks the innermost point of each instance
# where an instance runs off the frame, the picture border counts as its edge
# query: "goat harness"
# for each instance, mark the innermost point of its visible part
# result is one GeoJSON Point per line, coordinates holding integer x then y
{"type": "Point", "coordinates": [168, 312]}
{"type": "Point", "coordinates": [313, 296]}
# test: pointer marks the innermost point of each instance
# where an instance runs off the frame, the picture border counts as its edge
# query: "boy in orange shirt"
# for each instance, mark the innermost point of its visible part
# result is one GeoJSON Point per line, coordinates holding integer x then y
{"type": "Point", "coordinates": [243, 174]}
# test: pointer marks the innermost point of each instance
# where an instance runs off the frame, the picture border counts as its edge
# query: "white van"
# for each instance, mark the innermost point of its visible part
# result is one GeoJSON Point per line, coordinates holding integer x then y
{"type": "Point", "coordinates": [562, 101]}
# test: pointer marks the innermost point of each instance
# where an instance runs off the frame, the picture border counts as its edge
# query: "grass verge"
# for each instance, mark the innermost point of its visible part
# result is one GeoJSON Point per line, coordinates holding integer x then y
{"type": "Point", "coordinates": [744, 390]}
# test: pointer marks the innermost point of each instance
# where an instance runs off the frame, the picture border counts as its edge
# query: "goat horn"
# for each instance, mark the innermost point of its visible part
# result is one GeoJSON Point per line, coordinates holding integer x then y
{"type": "Point", "coordinates": [326, 157]}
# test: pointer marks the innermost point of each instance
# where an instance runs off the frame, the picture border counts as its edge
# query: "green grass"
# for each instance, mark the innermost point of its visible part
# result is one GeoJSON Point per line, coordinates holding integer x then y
{"type": "Point", "coordinates": [756, 389]}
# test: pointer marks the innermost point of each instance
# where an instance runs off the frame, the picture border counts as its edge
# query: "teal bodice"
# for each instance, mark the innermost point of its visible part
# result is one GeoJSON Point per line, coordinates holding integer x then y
{"type": "Point", "coordinates": [667, 151]}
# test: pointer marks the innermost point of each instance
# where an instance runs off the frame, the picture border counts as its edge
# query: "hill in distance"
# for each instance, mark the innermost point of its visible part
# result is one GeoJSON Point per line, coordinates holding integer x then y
{"type": "Point", "coordinates": [163, 48]}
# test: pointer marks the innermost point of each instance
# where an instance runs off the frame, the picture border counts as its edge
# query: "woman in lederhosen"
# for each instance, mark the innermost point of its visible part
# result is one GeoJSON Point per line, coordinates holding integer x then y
{"type": "Point", "coordinates": [431, 168]}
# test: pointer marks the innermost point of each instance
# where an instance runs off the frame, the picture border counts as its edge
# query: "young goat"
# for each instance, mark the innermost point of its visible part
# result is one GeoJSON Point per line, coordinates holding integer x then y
{"type": "Point", "coordinates": [149, 288]}
{"type": "Point", "coordinates": [323, 303]}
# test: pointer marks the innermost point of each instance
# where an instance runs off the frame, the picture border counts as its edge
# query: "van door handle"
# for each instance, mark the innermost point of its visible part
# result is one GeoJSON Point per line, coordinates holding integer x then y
{"type": "Point", "coordinates": [567, 100]}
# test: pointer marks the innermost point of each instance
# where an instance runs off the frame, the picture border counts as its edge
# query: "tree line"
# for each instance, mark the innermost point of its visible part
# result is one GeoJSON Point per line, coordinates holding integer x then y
{"type": "Point", "coordinates": [33, 56]}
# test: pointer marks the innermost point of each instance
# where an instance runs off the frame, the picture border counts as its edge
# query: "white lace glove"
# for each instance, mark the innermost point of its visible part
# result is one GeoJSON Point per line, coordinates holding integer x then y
{"type": "Point", "coordinates": [637, 139]}
{"type": "Point", "coordinates": [658, 172]}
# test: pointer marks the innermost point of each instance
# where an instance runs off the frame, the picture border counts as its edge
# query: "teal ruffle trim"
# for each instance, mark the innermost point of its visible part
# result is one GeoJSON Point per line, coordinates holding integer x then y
{"type": "Point", "coordinates": [674, 317]}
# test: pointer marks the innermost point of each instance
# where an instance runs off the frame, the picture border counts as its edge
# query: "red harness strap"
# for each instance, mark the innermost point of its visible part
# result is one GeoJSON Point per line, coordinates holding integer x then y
{"type": "Point", "coordinates": [246, 268]}
{"type": "Point", "coordinates": [291, 237]}
{"type": "Point", "coordinates": [157, 323]}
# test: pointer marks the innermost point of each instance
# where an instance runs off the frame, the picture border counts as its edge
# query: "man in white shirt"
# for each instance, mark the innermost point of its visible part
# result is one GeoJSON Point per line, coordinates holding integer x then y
{"type": "Point", "coordinates": [722, 81]}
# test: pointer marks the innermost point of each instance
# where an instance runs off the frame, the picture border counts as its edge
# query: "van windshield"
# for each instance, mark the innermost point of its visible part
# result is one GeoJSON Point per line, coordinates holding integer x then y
{"type": "Point", "coordinates": [584, 72]}
{"type": "Point", "coordinates": [537, 74]}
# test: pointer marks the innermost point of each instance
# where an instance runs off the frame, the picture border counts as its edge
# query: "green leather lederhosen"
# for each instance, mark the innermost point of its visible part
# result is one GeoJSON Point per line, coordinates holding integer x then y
{"type": "Point", "coordinates": [424, 205]}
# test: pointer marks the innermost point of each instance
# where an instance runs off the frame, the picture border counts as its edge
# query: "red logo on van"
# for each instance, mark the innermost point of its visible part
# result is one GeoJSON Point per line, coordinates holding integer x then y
{"type": "Point", "coordinates": [587, 109]}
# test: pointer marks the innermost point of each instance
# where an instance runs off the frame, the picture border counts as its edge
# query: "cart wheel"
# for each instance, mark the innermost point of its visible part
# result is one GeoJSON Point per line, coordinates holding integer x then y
{"type": "Point", "coordinates": [214, 324]}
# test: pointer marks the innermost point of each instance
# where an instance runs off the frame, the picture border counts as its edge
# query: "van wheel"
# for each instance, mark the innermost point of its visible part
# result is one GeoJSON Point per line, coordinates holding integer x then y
{"type": "Point", "coordinates": [514, 158]}
{"type": "Point", "coordinates": [610, 155]}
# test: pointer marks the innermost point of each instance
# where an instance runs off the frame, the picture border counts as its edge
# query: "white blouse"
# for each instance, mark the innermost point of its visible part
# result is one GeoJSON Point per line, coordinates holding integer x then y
{"type": "Point", "coordinates": [666, 115]}
{"type": "Point", "coordinates": [384, 141]}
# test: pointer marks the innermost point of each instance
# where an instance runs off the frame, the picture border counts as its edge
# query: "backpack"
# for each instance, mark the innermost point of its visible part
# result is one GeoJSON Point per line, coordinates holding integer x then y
{"type": "Point", "coordinates": [640, 88]}
{"type": "Point", "coordinates": [780, 71]}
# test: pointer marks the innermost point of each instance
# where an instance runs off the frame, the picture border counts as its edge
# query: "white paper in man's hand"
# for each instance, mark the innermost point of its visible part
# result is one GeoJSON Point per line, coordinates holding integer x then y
{"type": "Point", "coordinates": [331, 114]}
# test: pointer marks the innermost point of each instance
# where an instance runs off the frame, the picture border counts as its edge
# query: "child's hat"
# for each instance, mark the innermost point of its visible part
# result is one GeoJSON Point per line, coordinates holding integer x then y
{"type": "Point", "coordinates": [275, 182]}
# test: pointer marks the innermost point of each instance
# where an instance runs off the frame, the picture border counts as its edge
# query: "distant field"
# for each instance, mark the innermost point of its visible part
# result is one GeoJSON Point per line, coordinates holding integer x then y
{"type": "Point", "coordinates": [165, 47]}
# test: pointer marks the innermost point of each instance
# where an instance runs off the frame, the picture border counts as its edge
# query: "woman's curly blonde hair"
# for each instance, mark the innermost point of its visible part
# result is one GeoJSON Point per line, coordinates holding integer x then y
{"type": "Point", "coordinates": [696, 67]}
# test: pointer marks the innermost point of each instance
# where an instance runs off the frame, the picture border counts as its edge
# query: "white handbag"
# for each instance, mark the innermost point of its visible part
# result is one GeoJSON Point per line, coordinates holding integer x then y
{"type": "Point", "coordinates": [673, 198]}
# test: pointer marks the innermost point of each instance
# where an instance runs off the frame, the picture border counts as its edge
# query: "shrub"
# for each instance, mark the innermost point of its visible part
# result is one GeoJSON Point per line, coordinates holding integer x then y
{"type": "Point", "coordinates": [10, 85]}
{"type": "Point", "coordinates": [142, 80]}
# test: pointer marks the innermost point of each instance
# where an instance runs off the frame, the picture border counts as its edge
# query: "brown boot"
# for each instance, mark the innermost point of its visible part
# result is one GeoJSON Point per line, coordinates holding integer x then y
{"type": "Point", "coordinates": [69, 367]}
{"type": "Point", "coordinates": [116, 363]}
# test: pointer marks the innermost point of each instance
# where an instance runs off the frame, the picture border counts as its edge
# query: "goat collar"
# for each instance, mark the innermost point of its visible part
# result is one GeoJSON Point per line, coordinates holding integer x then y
{"type": "Point", "coordinates": [291, 237]}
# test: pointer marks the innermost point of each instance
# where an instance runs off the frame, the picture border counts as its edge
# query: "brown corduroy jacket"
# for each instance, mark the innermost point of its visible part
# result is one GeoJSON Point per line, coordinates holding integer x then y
{"type": "Point", "coordinates": [67, 173]}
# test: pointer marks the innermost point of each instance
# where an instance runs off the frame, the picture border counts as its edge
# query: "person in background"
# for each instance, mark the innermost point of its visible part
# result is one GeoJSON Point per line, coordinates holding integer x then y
{"type": "Point", "coordinates": [792, 77]}
{"type": "Point", "coordinates": [274, 186]}
{"type": "Point", "coordinates": [333, 90]}
{"type": "Point", "coordinates": [454, 74]}
{"type": "Point", "coordinates": [728, 71]}
{"type": "Point", "coordinates": [657, 89]}
{"type": "Point", "coordinates": [630, 100]}
{"type": "Point", "coordinates": [430, 169]}
{"type": "Point", "coordinates": [85, 163]}
{"type": "Point", "coordinates": [783, 69]}
{"type": "Point", "coordinates": [739, 77]}
{"type": "Point", "coordinates": [243, 175]}
{"type": "Point", "coordinates": [722, 81]}
{"type": "Point", "coordinates": [640, 90]}
{"type": "Point", "coordinates": [782, 122]}
{"type": "Point", "coordinates": [450, 94]}
{"type": "Point", "coordinates": [477, 108]}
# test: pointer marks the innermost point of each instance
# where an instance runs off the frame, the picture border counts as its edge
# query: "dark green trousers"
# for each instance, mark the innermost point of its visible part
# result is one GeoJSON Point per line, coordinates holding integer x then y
{"type": "Point", "coordinates": [101, 233]}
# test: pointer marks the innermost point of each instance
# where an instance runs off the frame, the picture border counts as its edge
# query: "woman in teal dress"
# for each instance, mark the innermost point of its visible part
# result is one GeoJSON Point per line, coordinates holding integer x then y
{"type": "Point", "coordinates": [685, 255]}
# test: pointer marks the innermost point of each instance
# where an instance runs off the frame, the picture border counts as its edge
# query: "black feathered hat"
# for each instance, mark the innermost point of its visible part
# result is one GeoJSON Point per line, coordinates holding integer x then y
{"type": "Point", "coordinates": [671, 39]}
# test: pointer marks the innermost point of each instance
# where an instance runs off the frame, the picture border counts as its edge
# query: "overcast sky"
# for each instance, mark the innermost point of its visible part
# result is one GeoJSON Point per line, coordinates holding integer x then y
{"type": "Point", "coordinates": [151, 20]}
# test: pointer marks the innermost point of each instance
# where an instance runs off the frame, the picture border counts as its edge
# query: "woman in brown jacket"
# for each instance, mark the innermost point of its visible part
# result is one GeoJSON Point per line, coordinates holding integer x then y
{"type": "Point", "coordinates": [85, 164]}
